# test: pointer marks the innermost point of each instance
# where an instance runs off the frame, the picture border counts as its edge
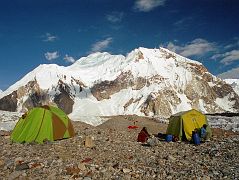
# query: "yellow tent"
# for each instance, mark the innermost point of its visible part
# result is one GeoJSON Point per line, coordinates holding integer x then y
{"type": "Point", "coordinates": [182, 124]}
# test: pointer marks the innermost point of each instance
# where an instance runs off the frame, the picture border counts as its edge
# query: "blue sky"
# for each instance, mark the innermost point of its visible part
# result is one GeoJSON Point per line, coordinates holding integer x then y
{"type": "Point", "coordinates": [61, 31]}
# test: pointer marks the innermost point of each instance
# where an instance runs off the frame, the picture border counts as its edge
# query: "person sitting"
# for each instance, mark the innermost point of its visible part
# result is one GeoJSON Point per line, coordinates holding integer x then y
{"type": "Point", "coordinates": [175, 138]}
{"type": "Point", "coordinates": [143, 135]}
{"type": "Point", "coordinates": [195, 137]}
{"type": "Point", "coordinates": [203, 132]}
{"type": "Point", "coordinates": [161, 136]}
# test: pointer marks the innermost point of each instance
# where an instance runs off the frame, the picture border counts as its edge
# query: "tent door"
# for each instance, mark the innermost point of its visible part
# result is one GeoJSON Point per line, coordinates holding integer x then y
{"type": "Point", "coordinates": [183, 134]}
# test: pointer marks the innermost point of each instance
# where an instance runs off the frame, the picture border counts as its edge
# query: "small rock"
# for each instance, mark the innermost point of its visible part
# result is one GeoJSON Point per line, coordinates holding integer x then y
{"type": "Point", "coordinates": [87, 178]}
{"type": "Point", "coordinates": [206, 177]}
{"type": "Point", "coordinates": [14, 175]}
{"type": "Point", "coordinates": [86, 160]}
{"type": "Point", "coordinates": [235, 139]}
{"type": "Point", "coordinates": [125, 170]}
{"type": "Point", "coordinates": [52, 176]}
{"type": "Point", "coordinates": [6, 137]}
{"type": "Point", "coordinates": [127, 177]}
{"type": "Point", "coordinates": [2, 163]}
{"type": "Point", "coordinates": [116, 165]}
{"type": "Point", "coordinates": [4, 133]}
{"type": "Point", "coordinates": [9, 163]}
{"type": "Point", "coordinates": [81, 166]}
{"type": "Point", "coordinates": [72, 170]}
{"type": "Point", "coordinates": [59, 161]}
{"type": "Point", "coordinates": [18, 160]}
{"type": "Point", "coordinates": [169, 157]}
{"type": "Point", "coordinates": [35, 165]}
{"type": "Point", "coordinates": [153, 141]}
{"type": "Point", "coordinates": [89, 141]}
{"type": "Point", "coordinates": [20, 167]}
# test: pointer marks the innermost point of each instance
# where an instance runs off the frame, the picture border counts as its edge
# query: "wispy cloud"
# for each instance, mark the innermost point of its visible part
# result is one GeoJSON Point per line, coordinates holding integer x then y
{"type": "Point", "coordinates": [147, 5]}
{"type": "Point", "coordinates": [195, 47]}
{"type": "Point", "coordinates": [49, 37]}
{"type": "Point", "coordinates": [234, 44]}
{"type": "Point", "coordinates": [69, 59]}
{"type": "Point", "coordinates": [183, 23]}
{"type": "Point", "coordinates": [227, 57]}
{"type": "Point", "coordinates": [115, 17]}
{"type": "Point", "coordinates": [101, 45]}
{"type": "Point", "coordinates": [51, 55]}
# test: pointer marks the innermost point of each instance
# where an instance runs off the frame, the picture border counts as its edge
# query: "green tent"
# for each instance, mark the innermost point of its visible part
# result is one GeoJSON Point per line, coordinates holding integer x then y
{"type": "Point", "coordinates": [182, 124]}
{"type": "Point", "coordinates": [42, 123]}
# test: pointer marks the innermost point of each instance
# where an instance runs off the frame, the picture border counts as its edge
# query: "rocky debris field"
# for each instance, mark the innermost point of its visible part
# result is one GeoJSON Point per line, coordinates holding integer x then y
{"type": "Point", "coordinates": [116, 154]}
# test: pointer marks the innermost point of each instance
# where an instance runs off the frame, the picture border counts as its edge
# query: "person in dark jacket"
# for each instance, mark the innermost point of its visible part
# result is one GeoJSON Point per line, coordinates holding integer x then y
{"type": "Point", "coordinates": [203, 132]}
{"type": "Point", "coordinates": [143, 135]}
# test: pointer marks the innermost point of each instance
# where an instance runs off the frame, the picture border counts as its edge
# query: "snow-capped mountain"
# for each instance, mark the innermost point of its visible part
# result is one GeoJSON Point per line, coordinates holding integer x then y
{"type": "Point", "coordinates": [151, 82]}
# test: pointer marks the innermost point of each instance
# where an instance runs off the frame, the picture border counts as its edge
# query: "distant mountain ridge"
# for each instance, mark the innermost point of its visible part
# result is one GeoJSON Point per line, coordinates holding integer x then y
{"type": "Point", "coordinates": [231, 74]}
{"type": "Point", "coordinates": [234, 83]}
{"type": "Point", "coordinates": [147, 82]}
{"type": "Point", "coordinates": [231, 77]}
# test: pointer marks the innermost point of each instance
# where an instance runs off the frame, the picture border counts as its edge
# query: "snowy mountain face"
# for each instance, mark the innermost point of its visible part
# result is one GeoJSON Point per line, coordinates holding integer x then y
{"type": "Point", "coordinates": [234, 83]}
{"type": "Point", "coordinates": [231, 77]}
{"type": "Point", "coordinates": [148, 82]}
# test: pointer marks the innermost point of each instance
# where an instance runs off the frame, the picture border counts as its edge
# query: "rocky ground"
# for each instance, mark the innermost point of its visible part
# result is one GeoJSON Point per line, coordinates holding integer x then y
{"type": "Point", "coordinates": [116, 154]}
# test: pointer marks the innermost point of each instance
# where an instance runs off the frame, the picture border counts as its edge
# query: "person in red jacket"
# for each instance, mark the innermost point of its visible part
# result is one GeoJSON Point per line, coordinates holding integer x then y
{"type": "Point", "coordinates": [143, 135]}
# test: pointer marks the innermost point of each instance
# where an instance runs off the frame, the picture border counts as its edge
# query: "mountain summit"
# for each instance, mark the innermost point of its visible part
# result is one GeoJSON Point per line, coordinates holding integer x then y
{"type": "Point", "coordinates": [148, 82]}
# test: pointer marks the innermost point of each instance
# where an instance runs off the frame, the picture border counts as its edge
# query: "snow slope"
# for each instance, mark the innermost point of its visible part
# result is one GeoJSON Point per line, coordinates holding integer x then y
{"type": "Point", "coordinates": [234, 83]}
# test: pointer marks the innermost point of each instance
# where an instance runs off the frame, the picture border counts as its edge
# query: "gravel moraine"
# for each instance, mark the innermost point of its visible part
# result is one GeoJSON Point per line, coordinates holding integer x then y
{"type": "Point", "coordinates": [117, 155]}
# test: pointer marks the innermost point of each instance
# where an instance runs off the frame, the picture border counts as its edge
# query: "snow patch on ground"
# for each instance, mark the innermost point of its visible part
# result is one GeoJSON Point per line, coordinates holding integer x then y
{"type": "Point", "coordinates": [8, 120]}
{"type": "Point", "coordinates": [222, 122]}
{"type": "Point", "coordinates": [227, 123]}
